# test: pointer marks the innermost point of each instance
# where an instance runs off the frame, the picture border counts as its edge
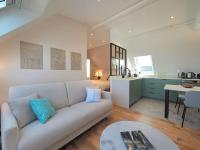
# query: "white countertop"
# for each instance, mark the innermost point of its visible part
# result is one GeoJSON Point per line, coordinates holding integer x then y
{"type": "Point", "coordinates": [180, 88]}
{"type": "Point", "coordinates": [126, 78]}
{"type": "Point", "coordinates": [150, 77]}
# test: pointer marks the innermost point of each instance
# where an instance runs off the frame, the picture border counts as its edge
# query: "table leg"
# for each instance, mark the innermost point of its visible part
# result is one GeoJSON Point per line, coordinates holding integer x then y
{"type": "Point", "coordinates": [166, 103]}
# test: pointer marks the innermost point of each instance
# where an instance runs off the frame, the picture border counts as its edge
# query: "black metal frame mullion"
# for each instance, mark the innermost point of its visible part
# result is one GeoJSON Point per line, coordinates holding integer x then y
{"type": "Point", "coordinates": [116, 57]}
{"type": "Point", "coordinates": [125, 59]}
{"type": "Point", "coordinates": [110, 59]}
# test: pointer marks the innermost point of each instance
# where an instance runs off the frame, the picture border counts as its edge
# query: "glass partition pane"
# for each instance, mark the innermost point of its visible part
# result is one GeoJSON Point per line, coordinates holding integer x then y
{"type": "Point", "coordinates": [113, 51]}
{"type": "Point", "coordinates": [114, 66]}
{"type": "Point", "coordinates": [117, 52]}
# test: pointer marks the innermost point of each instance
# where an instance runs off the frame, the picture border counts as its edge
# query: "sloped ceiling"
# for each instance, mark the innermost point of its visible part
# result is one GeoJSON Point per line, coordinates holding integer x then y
{"type": "Point", "coordinates": [107, 20]}
{"type": "Point", "coordinates": [15, 17]}
{"type": "Point", "coordinates": [90, 12]}
{"type": "Point", "coordinates": [157, 16]}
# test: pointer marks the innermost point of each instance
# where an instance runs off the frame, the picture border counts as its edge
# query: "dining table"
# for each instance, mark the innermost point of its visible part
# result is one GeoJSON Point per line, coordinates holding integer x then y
{"type": "Point", "coordinates": [178, 88]}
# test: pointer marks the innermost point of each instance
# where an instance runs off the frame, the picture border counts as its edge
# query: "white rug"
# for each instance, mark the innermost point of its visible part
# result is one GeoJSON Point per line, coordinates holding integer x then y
{"type": "Point", "coordinates": [155, 108]}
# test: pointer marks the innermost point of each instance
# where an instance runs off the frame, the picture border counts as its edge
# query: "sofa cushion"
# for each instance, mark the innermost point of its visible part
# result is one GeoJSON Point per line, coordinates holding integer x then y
{"type": "Point", "coordinates": [93, 95]}
{"type": "Point", "coordinates": [21, 109]}
{"type": "Point", "coordinates": [55, 92]}
{"type": "Point", "coordinates": [43, 109]}
{"type": "Point", "coordinates": [37, 136]}
{"type": "Point", "coordinates": [91, 111]}
{"type": "Point", "coordinates": [77, 90]}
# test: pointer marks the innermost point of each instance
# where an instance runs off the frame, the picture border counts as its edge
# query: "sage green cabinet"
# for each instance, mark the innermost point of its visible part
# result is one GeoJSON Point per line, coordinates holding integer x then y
{"type": "Point", "coordinates": [135, 93]}
{"type": "Point", "coordinates": [154, 88]}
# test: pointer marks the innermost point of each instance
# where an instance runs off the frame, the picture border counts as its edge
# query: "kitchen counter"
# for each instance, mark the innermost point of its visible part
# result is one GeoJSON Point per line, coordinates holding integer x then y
{"type": "Point", "coordinates": [126, 91]}
{"type": "Point", "coordinates": [125, 79]}
{"type": "Point", "coordinates": [151, 77]}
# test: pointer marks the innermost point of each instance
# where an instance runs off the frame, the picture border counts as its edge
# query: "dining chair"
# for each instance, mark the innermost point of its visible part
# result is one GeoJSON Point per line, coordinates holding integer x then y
{"type": "Point", "coordinates": [180, 98]}
{"type": "Point", "coordinates": [192, 100]}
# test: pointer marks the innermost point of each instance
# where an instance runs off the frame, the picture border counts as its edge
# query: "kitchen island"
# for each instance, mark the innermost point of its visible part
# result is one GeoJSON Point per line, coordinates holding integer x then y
{"type": "Point", "coordinates": [126, 91]}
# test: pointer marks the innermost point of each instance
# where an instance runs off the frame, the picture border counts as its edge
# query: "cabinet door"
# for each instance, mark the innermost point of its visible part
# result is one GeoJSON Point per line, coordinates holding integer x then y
{"type": "Point", "coordinates": [139, 89]}
{"type": "Point", "coordinates": [131, 93]}
{"type": "Point", "coordinates": [135, 92]}
{"type": "Point", "coordinates": [147, 86]}
{"type": "Point", "coordinates": [154, 88]}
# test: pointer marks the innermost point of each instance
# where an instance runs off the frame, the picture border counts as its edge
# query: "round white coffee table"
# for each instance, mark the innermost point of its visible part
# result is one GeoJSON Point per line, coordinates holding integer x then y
{"type": "Point", "coordinates": [111, 138]}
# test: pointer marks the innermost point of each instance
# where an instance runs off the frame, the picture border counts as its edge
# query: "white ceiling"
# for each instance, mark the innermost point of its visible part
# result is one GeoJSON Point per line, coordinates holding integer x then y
{"type": "Point", "coordinates": [115, 20]}
{"type": "Point", "coordinates": [156, 16]}
{"type": "Point", "coordinates": [149, 17]}
{"type": "Point", "coordinates": [35, 6]}
{"type": "Point", "coordinates": [90, 12]}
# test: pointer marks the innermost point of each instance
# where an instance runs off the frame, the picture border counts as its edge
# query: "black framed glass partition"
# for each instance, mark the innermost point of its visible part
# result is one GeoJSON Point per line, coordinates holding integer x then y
{"type": "Point", "coordinates": [118, 59]}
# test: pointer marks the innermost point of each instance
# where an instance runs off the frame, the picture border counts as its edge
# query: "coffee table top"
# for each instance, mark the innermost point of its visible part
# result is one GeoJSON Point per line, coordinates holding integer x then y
{"type": "Point", "coordinates": [111, 138]}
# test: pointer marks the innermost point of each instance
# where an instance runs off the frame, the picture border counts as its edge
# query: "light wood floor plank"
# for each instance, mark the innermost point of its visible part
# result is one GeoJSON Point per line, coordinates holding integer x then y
{"type": "Point", "coordinates": [186, 139]}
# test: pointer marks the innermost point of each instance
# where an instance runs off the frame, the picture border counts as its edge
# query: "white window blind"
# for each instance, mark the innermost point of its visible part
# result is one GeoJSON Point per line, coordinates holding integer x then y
{"type": "Point", "coordinates": [5, 3]}
{"type": "Point", "coordinates": [144, 64]}
{"type": "Point", "coordinates": [2, 3]}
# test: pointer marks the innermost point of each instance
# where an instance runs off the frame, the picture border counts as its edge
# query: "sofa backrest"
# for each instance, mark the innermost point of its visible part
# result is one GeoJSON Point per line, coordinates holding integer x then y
{"type": "Point", "coordinates": [55, 92]}
{"type": "Point", "coordinates": [77, 90]}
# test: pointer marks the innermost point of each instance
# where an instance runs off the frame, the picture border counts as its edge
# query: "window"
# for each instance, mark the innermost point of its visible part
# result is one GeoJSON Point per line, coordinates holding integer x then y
{"type": "Point", "coordinates": [144, 65]}
{"type": "Point", "coordinates": [5, 3]}
{"type": "Point", "coordinates": [2, 3]}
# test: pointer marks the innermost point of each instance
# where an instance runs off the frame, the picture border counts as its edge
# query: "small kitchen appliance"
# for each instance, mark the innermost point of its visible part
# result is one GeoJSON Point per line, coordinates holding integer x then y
{"type": "Point", "coordinates": [190, 75]}
{"type": "Point", "coordinates": [183, 75]}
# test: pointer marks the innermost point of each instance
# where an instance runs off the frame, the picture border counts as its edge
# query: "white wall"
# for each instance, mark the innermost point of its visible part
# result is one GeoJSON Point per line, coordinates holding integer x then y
{"type": "Point", "coordinates": [57, 32]}
{"type": "Point", "coordinates": [172, 48]}
{"type": "Point", "coordinates": [97, 64]}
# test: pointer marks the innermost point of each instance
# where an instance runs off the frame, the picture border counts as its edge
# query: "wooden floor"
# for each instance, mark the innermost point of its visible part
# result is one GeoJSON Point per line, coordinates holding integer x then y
{"type": "Point", "coordinates": [185, 138]}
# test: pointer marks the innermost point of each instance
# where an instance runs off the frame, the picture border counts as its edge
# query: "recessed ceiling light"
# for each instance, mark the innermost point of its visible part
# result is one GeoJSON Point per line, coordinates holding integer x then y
{"type": "Point", "coordinates": [129, 30]}
{"type": "Point", "coordinates": [172, 17]}
{"type": "Point", "coordinates": [91, 34]}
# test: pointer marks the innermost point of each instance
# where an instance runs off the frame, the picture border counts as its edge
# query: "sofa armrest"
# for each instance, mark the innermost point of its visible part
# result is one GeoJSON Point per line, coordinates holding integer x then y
{"type": "Point", "coordinates": [106, 95]}
{"type": "Point", "coordinates": [9, 129]}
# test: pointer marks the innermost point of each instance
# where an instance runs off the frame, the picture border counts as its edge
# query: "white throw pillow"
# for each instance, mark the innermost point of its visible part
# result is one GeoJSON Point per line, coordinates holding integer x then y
{"type": "Point", "coordinates": [21, 110]}
{"type": "Point", "coordinates": [93, 95]}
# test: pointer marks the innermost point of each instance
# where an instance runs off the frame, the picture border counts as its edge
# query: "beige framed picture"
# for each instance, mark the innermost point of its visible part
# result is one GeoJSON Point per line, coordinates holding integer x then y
{"type": "Point", "coordinates": [76, 61]}
{"type": "Point", "coordinates": [58, 59]}
{"type": "Point", "coordinates": [31, 55]}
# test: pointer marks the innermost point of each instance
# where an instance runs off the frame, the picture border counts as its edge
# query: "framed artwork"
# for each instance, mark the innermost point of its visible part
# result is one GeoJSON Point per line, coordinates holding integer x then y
{"type": "Point", "coordinates": [58, 59]}
{"type": "Point", "coordinates": [31, 55]}
{"type": "Point", "coordinates": [76, 61]}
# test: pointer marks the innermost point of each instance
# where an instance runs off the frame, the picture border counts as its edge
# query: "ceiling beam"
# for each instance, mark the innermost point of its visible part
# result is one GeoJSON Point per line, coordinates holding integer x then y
{"type": "Point", "coordinates": [134, 7]}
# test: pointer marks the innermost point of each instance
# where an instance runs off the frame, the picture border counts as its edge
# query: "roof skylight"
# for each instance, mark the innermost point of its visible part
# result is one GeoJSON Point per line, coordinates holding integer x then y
{"type": "Point", "coordinates": [2, 3]}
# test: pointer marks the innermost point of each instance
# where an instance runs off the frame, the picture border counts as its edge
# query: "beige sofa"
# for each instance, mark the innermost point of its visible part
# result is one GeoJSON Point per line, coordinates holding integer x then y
{"type": "Point", "coordinates": [73, 116]}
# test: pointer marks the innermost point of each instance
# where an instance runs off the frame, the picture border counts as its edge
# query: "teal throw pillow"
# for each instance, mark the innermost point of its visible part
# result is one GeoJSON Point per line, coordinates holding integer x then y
{"type": "Point", "coordinates": [42, 108]}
